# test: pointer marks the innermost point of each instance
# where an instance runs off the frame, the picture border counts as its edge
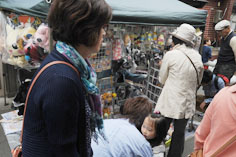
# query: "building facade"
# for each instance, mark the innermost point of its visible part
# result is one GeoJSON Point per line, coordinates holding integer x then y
{"type": "Point", "coordinates": [217, 10]}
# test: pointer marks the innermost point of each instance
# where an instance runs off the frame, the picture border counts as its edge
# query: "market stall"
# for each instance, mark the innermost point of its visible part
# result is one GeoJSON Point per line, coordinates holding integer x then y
{"type": "Point", "coordinates": [135, 43]}
{"type": "Point", "coordinates": [148, 12]}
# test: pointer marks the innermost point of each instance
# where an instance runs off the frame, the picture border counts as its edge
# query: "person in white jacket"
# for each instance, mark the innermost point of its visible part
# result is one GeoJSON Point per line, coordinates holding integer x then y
{"type": "Point", "coordinates": [181, 72]}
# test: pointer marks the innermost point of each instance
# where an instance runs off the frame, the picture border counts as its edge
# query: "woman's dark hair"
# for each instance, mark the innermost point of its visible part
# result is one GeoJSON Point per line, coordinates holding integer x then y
{"type": "Point", "coordinates": [78, 21]}
{"type": "Point", "coordinates": [178, 41]}
{"type": "Point", "coordinates": [207, 76]}
{"type": "Point", "coordinates": [160, 128]}
{"type": "Point", "coordinates": [136, 110]}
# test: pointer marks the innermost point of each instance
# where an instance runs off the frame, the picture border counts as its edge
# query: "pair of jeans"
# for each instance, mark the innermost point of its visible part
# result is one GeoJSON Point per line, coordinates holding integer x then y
{"type": "Point", "coordinates": [178, 137]}
{"type": "Point", "coordinates": [134, 77]}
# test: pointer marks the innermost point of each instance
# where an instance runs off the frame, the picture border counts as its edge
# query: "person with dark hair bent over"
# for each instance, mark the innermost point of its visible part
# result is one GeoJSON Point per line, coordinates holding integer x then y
{"type": "Point", "coordinates": [64, 108]}
{"type": "Point", "coordinates": [123, 136]}
{"type": "Point", "coordinates": [211, 85]}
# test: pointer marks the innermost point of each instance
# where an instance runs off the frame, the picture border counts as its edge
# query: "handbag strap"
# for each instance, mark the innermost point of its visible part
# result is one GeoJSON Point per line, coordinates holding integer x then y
{"type": "Point", "coordinates": [230, 141]}
{"type": "Point", "coordinates": [198, 83]}
{"type": "Point", "coordinates": [33, 82]}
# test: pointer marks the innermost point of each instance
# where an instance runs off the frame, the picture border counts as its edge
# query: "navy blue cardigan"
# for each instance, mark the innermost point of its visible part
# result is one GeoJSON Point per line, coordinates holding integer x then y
{"type": "Point", "coordinates": [57, 116]}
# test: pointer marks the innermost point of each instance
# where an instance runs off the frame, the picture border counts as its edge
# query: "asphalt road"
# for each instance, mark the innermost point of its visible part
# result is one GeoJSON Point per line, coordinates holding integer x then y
{"type": "Point", "coordinates": [4, 147]}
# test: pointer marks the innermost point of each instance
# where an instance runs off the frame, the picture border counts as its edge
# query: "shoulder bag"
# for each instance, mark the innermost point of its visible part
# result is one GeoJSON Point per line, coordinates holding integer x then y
{"type": "Point", "coordinates": [17, 151]}
{"type": "Point", "coordinates": [199, 153]}
{"type": "Point", "coordinates": [198, 82]}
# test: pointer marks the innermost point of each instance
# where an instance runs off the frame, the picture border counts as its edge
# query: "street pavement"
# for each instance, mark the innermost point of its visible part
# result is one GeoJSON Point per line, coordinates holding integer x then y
{"type": "Point", "coordinates": [5, 149]}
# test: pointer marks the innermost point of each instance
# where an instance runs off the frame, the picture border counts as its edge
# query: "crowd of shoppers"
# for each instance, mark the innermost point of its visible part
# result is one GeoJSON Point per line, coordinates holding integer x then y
{"type": "Point", "coordinates": [63, 113]}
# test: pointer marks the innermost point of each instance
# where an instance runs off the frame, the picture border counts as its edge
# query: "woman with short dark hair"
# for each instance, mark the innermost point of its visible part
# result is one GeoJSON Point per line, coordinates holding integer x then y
{"type": "Point", "coordinates": [77, 22]}
{"type": "Point", "coordinates": [64, 109]}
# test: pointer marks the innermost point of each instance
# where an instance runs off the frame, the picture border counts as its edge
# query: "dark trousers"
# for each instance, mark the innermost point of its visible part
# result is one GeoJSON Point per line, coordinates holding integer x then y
{"type": "Point", "coordinates": [178, 137]}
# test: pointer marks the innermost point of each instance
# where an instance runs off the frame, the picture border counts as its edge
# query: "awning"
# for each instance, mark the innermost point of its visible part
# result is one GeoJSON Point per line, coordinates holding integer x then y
{"type": "Point", "coordinates": [146, 12]}
{"type": "Point", "coordinates": [195, 3]}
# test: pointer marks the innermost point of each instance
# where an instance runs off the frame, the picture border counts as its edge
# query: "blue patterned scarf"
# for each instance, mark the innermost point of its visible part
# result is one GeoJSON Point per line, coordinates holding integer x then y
{"type": "Point", "coordinates": [89, 78]}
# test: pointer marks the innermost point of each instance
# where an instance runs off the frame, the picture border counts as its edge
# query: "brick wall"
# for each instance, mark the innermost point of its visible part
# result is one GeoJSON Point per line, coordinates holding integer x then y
{"type": "Point", "coordinates": [211, 7]}
{"type": "Point", "coordinates": [229, 5]}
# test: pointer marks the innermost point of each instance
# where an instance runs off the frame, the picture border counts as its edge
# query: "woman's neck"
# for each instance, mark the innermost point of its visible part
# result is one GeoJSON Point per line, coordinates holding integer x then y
{"type": "Point", "coordinates": [83, 51]}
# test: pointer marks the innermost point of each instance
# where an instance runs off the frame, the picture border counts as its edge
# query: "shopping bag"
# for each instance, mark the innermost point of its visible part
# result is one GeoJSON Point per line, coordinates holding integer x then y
{"type": "Point", "coordinates": [17, 151]}
{"type": "Point", "coordinates": [197, 153]}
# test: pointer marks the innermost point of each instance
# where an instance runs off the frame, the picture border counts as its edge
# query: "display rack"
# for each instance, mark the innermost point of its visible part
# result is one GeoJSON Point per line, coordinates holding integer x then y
{"type": "Point", "coordinates": [153, 88]}
{"type": "Point", "coordinates": [146, 14]}
{"type": "Point", "coordinates": [129, 49]}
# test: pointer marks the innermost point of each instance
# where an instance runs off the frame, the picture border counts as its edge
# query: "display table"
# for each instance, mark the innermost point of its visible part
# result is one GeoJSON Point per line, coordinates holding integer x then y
{"type": "Point", "coordinates": [12, 124]}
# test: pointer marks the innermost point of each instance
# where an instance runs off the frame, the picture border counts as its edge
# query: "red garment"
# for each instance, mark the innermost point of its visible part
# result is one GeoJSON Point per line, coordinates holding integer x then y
{"type": "Point", "coordinates": [205, 67]}
{"type": "Point", "coordinates": [224, 78]}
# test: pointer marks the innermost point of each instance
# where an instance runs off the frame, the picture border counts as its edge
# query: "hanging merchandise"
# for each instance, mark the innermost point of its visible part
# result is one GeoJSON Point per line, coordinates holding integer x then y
{"type": "Point", "coordinates": [15, 46]}
{"type": "Point", "coordinates": [3, 35]}
{"type": "Point", "coordinates": [107, 99]}
{"type": "Point", "coordinates": [127, 40]}
{"type": "Point", "coordinates": [198, 39]}
{"type": "Point", "coordinates": [161, 40]}
{"type": "Point", "coordinates": [154, 36]}
{"type": "Point", "coordinates": [18, 46]}
{"type": "Point", "coordinates": [37, 21]}
{"type": "Point", "coordinates": [117, 49]}
{"type": "Point", "coordinates": [37, 47]}
{"type": "Point", "coordinates": [118, 42]}
{"type": "Point", "coordinates": [148, 41]}
{"type": "Point", "coordinates": [27, 43]}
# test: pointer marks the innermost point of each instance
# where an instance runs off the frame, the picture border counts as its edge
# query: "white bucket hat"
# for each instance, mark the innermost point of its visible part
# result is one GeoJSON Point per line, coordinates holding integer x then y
{"type": "Point", "coordinates": [185, 32]}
